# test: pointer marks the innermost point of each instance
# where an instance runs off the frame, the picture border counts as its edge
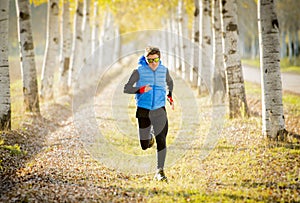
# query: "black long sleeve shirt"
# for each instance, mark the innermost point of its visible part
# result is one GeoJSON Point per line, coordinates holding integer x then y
{"type": "Point", "coordinates": [129, 87]}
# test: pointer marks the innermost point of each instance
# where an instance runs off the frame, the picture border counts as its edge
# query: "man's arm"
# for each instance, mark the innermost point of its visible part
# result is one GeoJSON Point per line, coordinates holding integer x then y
{"type": "Point", "coordinates": [129, 88]}
{"type": "Point", "coordinates": [169, 81]}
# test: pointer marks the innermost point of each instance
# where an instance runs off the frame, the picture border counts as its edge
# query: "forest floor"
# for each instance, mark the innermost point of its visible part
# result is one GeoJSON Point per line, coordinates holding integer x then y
{"type": "Point", "coordinates": [48, 160]}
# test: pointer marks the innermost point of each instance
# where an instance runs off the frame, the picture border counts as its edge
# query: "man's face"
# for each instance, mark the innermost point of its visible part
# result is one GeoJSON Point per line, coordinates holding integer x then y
{"type": "Point", "coordinates": [153, 61]}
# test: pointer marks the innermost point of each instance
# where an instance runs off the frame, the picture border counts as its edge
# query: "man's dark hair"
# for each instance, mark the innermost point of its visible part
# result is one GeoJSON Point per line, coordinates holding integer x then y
{"type": "Point", "coordinates": [152, 50]}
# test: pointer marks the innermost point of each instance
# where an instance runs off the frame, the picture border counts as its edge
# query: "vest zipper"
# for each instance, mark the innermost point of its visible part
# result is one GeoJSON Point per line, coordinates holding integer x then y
{"type": "Point", "coordinates": [154, 89]}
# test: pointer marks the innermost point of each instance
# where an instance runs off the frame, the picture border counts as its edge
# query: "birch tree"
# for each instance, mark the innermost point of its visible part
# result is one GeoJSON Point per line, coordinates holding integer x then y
{"type": "Point", "coordinates": [232, 62]}
{"type": "Point", "coordinates": [87, 41]}
{"type": "Point", "coordinates": [195, 52]}
{"type": "Point", "coordinates": [52, 46]}
{"type": "Point", "coordinates": [204, 72]}
{"type": "Point", "coordinates": [218, 74]}
{"type": "Point", "coordinates": [65, 47]}
{"type": "Point", "coordinates": [27, 57]}
{"type": "Point", "coordinates": [77, 42]}
{"type": "Point", "coordinates": [181, 35]}
{"type": "Point", "coordinates": [86, 29]}
{"type": "Point", "coordinates": [175, 30]}
{"type": "Point", "coordinates": [117, 44]}
{"type": "Point", "coordinates": [95, 28]}
{"type": "Point", "coordinates": [171, 44]}
{"type": "Point", "coordinates": [5, 105]}
{"type": "Point", "coordinates": [95, 38]}
{"type": "Point", "coordinates": [272, 107]}
{"type": "Point", "coordinates": [107, 33]}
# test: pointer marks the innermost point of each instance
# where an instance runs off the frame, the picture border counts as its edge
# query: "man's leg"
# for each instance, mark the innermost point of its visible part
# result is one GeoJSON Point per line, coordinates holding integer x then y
{"type": "Point", "coordinates": [144, 132]}
{"type": "Point", "coordinates": [160, 126]}
{"type": "Point", "coordinates": [161, 146]}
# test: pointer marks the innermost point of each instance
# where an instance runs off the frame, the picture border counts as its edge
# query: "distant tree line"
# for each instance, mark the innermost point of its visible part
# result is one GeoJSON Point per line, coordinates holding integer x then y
{"type": "Point", "coordinates": [288, 22]}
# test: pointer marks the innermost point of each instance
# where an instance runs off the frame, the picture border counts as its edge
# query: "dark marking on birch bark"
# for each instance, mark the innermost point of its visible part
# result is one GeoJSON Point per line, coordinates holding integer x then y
{"type": "Point", "coordinates": [196, 12]}
{"type": "Point", "coordinates": [275, 24]}
{"type": "Point", "coordinates": [231, 27]}
{"type": "Point", "coordinates": [24, 16]}
{"type": "Point", "coordinates": [28, 46]}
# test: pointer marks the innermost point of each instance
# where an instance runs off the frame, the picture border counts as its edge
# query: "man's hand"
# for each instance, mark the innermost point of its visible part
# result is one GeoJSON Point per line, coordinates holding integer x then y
{"type": "Point", "coordinates": [145, 88]}
{"type": "Point", "coordinates": [170, 100]}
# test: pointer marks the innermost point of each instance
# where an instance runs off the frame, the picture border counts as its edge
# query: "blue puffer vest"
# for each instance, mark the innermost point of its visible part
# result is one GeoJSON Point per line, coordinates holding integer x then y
{"type": "Point", "coordinates": [156, 97]}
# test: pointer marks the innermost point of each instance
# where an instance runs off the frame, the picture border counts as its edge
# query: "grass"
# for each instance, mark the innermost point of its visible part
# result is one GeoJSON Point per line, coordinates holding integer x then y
{"type": "Point", "coordinates": [286, 66]}
{"type": "Point", "coordinates": [14, 149]}
{"type": "Point", "coordinates": [291, 102]}
{"type": "Point", "coordinates": [237, 170]}
{"type": "Point", "coordinates": [242, 167]}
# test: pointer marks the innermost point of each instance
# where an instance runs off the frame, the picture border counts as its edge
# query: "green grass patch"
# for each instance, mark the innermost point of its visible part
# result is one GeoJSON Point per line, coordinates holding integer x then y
{"type": "Point", "coordinates": [292, 104]}
{"type": "Point", "coordinates": [285, 65]}
{"type": "Point", "coordinates": [290, 66]}
{"type": "Point", "coordinates": [251, 62]}
{"type": "Point", "coordinates": [14, 149]}
{"type": "Point", "coordinates": [252, 89]}
{"type": "Point", "coordinates": [287, 98]}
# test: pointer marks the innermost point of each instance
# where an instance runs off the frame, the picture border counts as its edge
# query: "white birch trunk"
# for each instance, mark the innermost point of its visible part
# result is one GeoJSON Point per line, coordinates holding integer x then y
{"type": "Point", "coordinates": [65, 48]}
{"type": "Point", "coordinates": [176, 45]}
{"type": "Point", "coordinates": [52, 49]}
{"type": "Point", "coordinates": [87, 44]}
{"type": "Point", "coordinates": [86, 29]}
{"type": "Point", "coordinates": [182, 50]}
{"type": "Point", "coordinates": [27, 57]}
{"type": "Point", "coordinates": [218, 74]}
{"type": "Point", "coordinates": [171, 46]}
{"type": "Point", "coordinates": [106, 40]}
{"type": "Point", "coordinates": [290, 46]}
{"type": "Point", "coordinates": [195, 52]}
{"type": "Point", "coordinates": [95, 28]}
{"type": "Point", "coordinates": [272, 107]}
{"type": "Point", "coordinates": [77, 46]}
{"type": "Point", "coordinates": [117, 45]}
{"type": "Point", "coordinates": [5, 105]}
{"type": "Point", "coordinates": [95, 41]}
{"type": "Point", "coordinates": [296, 44]}
{"type": "Point", "coordinates": [205, 61]}
{"type": "Point", "coordinates": [233, 68]}
{"type": "Point", "coordinates": [164, 42]}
